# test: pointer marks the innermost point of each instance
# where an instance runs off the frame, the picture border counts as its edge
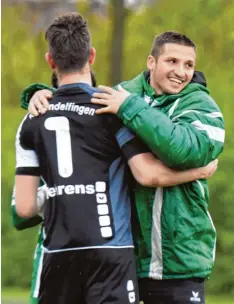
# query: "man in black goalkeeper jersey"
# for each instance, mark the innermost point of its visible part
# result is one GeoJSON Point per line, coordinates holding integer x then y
{"type": "Point", "coordinates": [88, 250]}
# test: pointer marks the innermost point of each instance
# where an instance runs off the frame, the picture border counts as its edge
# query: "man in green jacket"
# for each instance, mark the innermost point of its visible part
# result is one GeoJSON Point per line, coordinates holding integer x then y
{"type": "Point", "coordinates": [183, 126]}
{"type": "Point", "coordinates": [179, 121]}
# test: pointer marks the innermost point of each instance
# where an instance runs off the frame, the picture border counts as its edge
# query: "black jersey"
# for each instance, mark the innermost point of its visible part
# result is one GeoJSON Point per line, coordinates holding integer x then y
{"type": "Point", "coordinates": [82, 158]}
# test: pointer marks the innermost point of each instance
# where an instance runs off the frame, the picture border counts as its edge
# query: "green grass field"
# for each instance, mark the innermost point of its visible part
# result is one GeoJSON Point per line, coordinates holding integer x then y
{"type": "Point", "coordinates": [14, 296]}
{"type": "Point", "coordinates": [219, 300]}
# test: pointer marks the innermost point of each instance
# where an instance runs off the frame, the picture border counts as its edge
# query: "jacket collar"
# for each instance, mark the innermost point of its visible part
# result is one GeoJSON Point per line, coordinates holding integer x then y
{"type": "Point", "coordinates": [148, 90]}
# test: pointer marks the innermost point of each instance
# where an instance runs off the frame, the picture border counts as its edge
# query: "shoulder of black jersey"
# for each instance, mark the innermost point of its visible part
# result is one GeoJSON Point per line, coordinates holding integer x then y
{"type": "Point", "coordinates": [88, 88]}
{"type": "Point", "coordinates": [74, 86]}
{"type": "Point", "coordinates": [28, 120]}
{"type": "Point", "coordinates": [25, 131]}
{"type": "Point", "coordinates": [31, 120]}
{"type": "Point", "coordinates": [31, 124]}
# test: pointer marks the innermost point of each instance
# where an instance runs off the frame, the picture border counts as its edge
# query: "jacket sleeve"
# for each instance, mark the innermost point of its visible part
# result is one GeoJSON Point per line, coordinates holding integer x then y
{"type": "Point", "coordinates": [192, 138]}
{"type": "Point", "coordinates": [29, 92]}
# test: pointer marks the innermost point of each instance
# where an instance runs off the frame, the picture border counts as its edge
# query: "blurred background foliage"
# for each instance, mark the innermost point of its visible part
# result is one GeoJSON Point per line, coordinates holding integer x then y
{"type": "Point", "coordinates": [210, 23]}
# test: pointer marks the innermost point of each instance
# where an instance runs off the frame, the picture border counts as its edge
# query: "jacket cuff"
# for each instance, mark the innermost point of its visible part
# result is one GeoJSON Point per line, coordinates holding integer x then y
{"type": "Point", "coordinates": [130, 107]}
{"type": "Point", "coordinates": [30, 90]}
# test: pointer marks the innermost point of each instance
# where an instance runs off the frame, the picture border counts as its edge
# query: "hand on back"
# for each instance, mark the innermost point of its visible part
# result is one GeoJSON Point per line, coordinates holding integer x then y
{"type": "Point", "coordinates": [110, 98]}
{"type": "Point", "coordinates": [39, 104]}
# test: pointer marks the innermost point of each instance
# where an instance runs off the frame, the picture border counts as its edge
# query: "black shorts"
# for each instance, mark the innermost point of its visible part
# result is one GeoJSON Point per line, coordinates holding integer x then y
{"type": "Point", "coordinates": [91, 276]}
{"type": "Point", "coordinates": [179, 291]}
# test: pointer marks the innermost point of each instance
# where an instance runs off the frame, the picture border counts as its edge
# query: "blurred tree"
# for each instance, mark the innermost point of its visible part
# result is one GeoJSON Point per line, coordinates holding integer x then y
{"type": "Point", "coordinates": [98, 6]}
{"type": "Point", "coordinates": [117, 34]}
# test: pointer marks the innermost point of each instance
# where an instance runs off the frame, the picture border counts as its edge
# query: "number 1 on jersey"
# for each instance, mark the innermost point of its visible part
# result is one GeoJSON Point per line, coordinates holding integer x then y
{"type": "Point", "coordinates": [63, 143]}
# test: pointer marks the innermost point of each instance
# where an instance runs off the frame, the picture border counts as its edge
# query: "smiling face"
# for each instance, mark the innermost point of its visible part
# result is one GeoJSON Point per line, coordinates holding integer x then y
{"type": "Point", "coordinates": [173, 69]}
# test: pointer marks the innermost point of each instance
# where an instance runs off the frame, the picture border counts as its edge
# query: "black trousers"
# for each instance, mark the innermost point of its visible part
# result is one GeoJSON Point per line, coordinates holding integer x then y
{"type": "Point", "coordinates": [91, 276]}
{"type": "Point", "coordinates": [179, 291]}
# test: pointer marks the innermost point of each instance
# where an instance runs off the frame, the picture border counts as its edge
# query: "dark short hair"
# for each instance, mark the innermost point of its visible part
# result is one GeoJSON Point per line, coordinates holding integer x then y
{"type": "Point", "coordinates": [69, 42]}
{"type": "Point", "coordinates": [170, 37]}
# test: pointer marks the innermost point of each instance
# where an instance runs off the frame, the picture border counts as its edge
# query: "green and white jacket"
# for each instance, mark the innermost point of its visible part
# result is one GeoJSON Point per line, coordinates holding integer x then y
{"type": "Point", "coordinates": [173, 230]}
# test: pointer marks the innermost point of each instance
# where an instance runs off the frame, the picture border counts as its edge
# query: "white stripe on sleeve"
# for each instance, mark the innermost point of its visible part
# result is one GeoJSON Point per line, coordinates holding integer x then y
{"type": "Point", "coordinates": [215, 133]}
{"type": "Point", "coordinates": [214, 114]}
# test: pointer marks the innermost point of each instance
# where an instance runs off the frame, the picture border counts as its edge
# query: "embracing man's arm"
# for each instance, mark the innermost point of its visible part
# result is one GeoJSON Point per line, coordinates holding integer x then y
{"type": "Point", "coordinates": [151, 172]}
{"type": "Point", "coordinates": [27, 170]}
{"type": "Point", "coordinates": [21, 223]}
{"type": "Point", "coordinates": [191, 139]}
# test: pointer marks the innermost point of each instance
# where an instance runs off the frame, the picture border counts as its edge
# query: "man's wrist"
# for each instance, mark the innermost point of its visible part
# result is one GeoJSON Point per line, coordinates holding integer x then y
{"type": "Point", "coordinates": [130, 107]}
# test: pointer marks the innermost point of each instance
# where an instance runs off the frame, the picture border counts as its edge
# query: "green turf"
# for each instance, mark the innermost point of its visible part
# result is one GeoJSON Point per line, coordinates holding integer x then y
{"type": "Point", "coordinates": [219, 300]}
{"type": "Point", "coordinates": [14, 293]}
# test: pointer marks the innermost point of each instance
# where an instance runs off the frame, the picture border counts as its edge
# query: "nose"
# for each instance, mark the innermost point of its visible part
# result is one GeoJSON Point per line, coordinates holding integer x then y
{"type": "Point", "coordinates": [179, 71]}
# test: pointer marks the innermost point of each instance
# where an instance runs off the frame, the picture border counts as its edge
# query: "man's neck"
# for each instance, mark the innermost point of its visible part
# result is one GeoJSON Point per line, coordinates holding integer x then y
{"type": "Point", "coordinates": [75, 78]}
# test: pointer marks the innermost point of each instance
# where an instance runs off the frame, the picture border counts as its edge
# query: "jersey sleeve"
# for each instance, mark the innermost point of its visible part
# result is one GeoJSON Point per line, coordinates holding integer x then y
{"type": "Point", "coordinates": [27, 162]}
{"type": "Point", "coordinates": [129, 143]}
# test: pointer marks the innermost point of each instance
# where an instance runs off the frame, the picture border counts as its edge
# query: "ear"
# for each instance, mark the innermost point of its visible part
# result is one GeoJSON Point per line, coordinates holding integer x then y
{"type": "Point", "coordinates": [50, 61]}
{"type": "Point", "coordinates": [151, 62]}
{"type": "Point", "coordinates": [92, 56]}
